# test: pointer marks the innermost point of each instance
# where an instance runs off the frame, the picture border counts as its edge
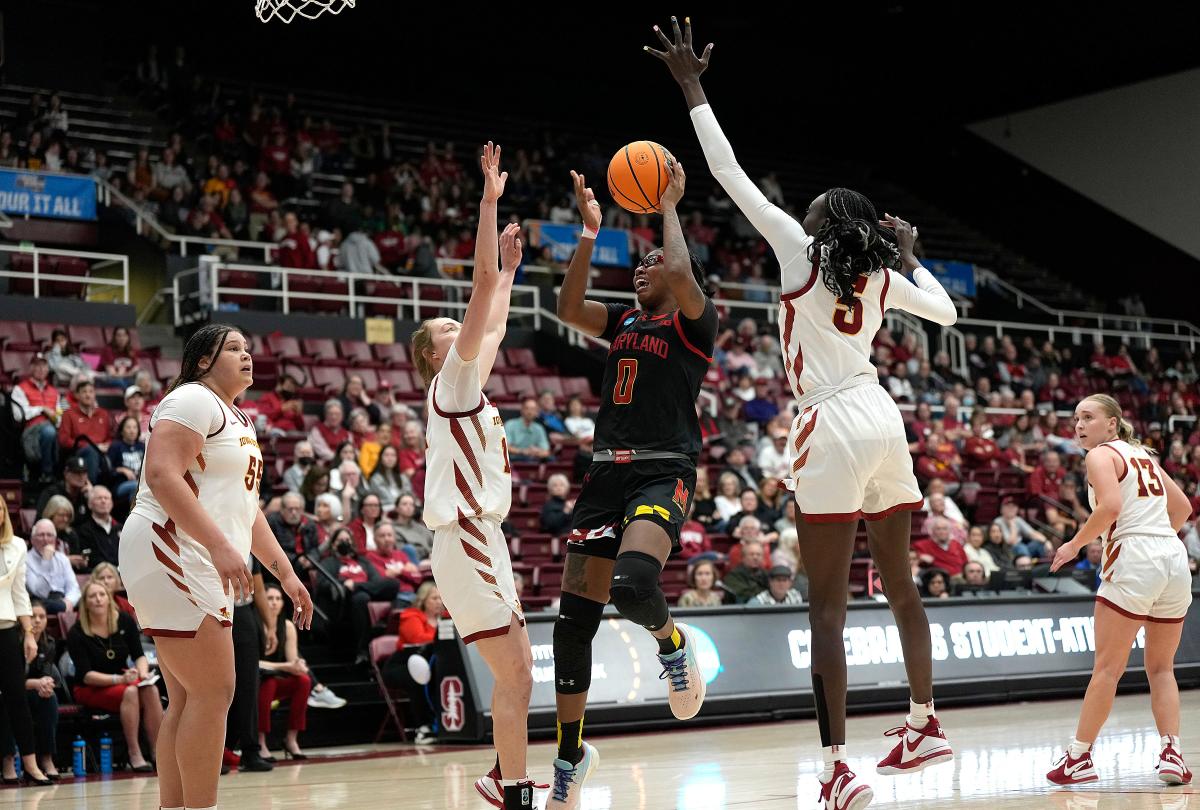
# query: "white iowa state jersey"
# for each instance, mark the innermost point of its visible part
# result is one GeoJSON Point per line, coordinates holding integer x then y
{"type": "Point", "coordinates": [825, 343]}
{"type": "Point", "coordinates": [467, 473]}
{"type": "Point", "coordinates": [224, 477]}
{"type": "Point", "coordinates": [1143, 495]}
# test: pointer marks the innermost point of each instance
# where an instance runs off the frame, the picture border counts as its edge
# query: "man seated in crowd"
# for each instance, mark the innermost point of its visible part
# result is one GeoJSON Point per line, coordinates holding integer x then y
{"type": "Point", "coordinates": [99, 534]}
{"type": "Point", "coordinates": [779, 589]}
{"type": "Point", "coordinates": [940, 550]}
{"type": "Point", "coordinates": [40, 404]}
{"type": "Point", "coordinates": [747, 580]}
{"type": "Point", "coordinates": [302, 460]}
{"type": "Point", "coordinates": [391, 561]}
{"type": "Point", "coordinates": [74, 486]}
{"type": "Point", "coordinates": [1091, 562]}
{"type": "Point", "coordinates": [283, 407]}
{"type": "Point", "coordinates": [773, 457]}
{"type": "Point", "coordinates": [48, 574]}
{"type": "Point", "coordinates": [86, 429]}
{"type": "Point", "coordinates": [527, 439]}
{"type": "Point", "coordinates": [1047, 478]}
{"type": "Point", "coordinates": [296, 533]}
{"type": "Point", "coordinates": [974, 577]}
{"type": "Point", "coordinates": [1025, 540]}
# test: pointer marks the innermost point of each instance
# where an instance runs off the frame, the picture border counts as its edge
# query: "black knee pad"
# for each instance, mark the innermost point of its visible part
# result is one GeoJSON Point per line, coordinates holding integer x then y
{"type": "Point", "coordinates": [578, 621]}
{"type": "Point", "coordinates": [635, 591]}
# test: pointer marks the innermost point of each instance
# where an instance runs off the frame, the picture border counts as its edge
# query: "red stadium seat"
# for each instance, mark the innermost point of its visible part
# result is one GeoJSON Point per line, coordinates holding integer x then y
{"type": "Point", "coordinates": [520, 385]}
{"type": "Point", "coordinates": [370, 377]}
{"type": "Point", "coordinates": [298, 287]}
{"type": "Point", "coordinates": [357, 354]}
{"type": "Point", "coordinates": [524, 359]}
{"type": "Point", "coordinates": [23, 263]}
{"type": "Point", "coordinates": [322, 350]}
{"type": "Point", "coordinates": [495, 389]}
{"type": "Point", "coordinates": [381, 650]}
{"type": "Point", "coordinates": [15, 335]}
{"type": "Point", "coordinates": [284, 346]}
{"type": "Point", "coordinates": [386, 289]}
{"type": "Point", "coordinates": [395, 355]}
{"type": "Point", "coordinates": [166, 368]}
{"type": "Point", "coordinates": [333, 286]}
{"type": "Point", "coordinates": [42, 331]}
{"type": "Point", "coordinates": [552, 384]}
{"type": "Point", "coordinates": [88, 338]}
{"type": "Point", "coordinates": [401, 381]}
{"type": "Point", "coordinates": [331, 378]}
{"type": "Point", "coordinates": [69, 266]}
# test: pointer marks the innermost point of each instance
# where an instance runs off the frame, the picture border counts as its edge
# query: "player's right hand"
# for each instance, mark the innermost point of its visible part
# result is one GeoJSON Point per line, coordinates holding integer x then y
{"type": "Point", "coordinates": [232, 570]}
{"type": "Point", "coordinates": [510, 248]}
{"type": "Point", "coordinates": [585, 199]}
{"type": "Point", "coordinates": [493, 178]}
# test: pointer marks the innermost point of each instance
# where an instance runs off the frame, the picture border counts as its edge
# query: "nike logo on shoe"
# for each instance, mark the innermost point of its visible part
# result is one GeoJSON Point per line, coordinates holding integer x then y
{"type": "Point", "coordinates": [1070, 770]}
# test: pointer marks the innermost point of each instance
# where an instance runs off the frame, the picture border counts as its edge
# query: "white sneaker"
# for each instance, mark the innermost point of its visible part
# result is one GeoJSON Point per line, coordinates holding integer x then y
{"type": "Point", "coordinates": [424, 736]}
{"type": "Point", "coordinates": [567, 788]}
{"type": "Point", "coordinates": [688, 688]}
{"type": "Point", "coordinates": [844, 790]}
{"type": "Point", "coordinates": [325, 699]}
{"type": "Point", "coordinates": [1171, 768]}
{"type": "Point", "coordinates": [492, 791]}
{"type": "Point", "coordinates": [918, 749]}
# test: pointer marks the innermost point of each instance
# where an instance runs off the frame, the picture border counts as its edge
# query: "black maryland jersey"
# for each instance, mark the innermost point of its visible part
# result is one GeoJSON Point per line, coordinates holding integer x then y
{"type": "Point", "coordinates": [652, 378]}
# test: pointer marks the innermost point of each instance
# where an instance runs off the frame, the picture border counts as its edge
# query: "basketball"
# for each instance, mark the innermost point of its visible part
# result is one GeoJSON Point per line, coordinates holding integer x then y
{"type": "Point", "coordinates": [637, 176]}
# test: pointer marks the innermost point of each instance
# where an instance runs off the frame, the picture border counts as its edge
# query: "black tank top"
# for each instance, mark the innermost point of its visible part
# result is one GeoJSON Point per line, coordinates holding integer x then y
{"type": "Point", "coordinates": [652, 378]}
{"type": "Point", "coordinates": [280, 654]}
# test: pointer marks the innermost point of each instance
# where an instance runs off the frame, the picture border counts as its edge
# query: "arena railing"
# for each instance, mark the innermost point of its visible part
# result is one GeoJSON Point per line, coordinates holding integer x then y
{"type": "Point", "coordinates": [1184, 337]}
{"type": "Point", "coordinates": [202, 286]}
{"type": "Point", "coordinates": [1144, 326]}
{"type": "Point", "coordinates": [119, 287]}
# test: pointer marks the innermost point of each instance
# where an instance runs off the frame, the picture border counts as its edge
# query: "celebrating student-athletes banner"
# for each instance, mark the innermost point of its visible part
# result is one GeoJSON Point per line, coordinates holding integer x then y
{"type": "Point", "coordinates": [759, 659]}
{"type": "Point", "coordinates": [612, 244]}
{"type": "Point", "coordinates": [46, 194]}
{"type": "Point", "coordinates": [957, 277]}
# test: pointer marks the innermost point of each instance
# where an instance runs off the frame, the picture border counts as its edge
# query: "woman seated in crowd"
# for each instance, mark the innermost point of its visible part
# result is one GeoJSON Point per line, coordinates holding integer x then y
{"type": "Point", "coordinates": [727, 502]}
{"type": "Point", "coordinates": [118, 360]}
{"type": "Point", "coordinates": [935, 584]}
{"type": "Point", "coordinates": [61, 512]}
{"type": "Point", "coordinates": [125, 456]}
{"type": "Point", "coordinates": [111, 670]}
{"type": "Point", "coordinates": [108, 575]}
{"type": "Point", "coordinates": [316, 482]}
{"type": "Point", "coordinates": [328, 516]}
{"type": "Point", "coordinates": [418, 631]}
{"type": "Point", "coordinates": [42, 679]}
{"type": "Point", "coordinates": [369, 515]}
{"type": "Point", "coordinates": [284, 676]}
{"type": "Point", "coordinates": [387, 481]}
{"type": "Point", "coordinates": [411, 533]}
{"type": "Point", "coordinates": [976, 553]}
{"type": "Point", "coordinates": [702, 586]}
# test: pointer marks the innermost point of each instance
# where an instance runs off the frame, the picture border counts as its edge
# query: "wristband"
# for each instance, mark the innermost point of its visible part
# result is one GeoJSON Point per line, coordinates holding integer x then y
{"type": "Point", "coordinates": [588, 233]}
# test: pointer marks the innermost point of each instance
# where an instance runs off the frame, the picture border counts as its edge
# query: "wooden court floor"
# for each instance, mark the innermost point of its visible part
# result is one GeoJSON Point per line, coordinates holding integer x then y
{"type": "Point", "coordinates": [1003, 753]}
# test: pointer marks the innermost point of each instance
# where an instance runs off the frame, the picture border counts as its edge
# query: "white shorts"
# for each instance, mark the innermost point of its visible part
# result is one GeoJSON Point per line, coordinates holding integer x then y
{"type": "Point", "coordinates": [850, 458]}
{"type": "Point", "coordinates": [474, 576]}
{"type": "Point", "coordinates": [1146, 578]}
{"type": "Point", "coordinates": [170, 583]}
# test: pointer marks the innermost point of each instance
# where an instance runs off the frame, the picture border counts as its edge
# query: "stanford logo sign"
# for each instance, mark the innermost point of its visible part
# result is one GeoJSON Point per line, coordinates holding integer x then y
{"type": "Point", "coordinates": [453, 711]}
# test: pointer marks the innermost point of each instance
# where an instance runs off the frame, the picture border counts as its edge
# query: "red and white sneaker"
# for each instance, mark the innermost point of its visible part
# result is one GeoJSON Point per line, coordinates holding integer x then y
{"type": "Point", "coordinates": [1071, 770]}
{"type": "Point", "coordinates": [844, 790]}
{"type": "Point", "coordinates": [918, 749]}
{"type": "Point", "coordinates": [1171, 768]}
{"type": "Point", "coordinates": [492, 791]}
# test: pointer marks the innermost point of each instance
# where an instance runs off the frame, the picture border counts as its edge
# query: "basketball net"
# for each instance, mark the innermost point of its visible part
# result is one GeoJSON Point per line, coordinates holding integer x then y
{"type": "Point", "coordinates": [288, 10]}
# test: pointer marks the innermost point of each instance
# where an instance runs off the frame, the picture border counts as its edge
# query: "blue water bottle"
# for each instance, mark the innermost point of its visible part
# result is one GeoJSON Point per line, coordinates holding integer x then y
{"type": "Point", "coordinates": [17, 764]}
{"type": "Point", "coordinates": [106, 754]}
{"type": "Point", "coordinates": [78, 756]}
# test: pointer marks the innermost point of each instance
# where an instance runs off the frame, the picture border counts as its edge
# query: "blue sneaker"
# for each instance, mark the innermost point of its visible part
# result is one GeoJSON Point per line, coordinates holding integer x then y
{"type": "Point", "coordinates": [687, 681]}
{"type": "Point", "coordinates": [567, 788]}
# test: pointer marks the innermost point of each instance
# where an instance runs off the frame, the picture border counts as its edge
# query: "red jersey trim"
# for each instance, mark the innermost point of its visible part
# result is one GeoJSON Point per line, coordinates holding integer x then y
{"type": "Point", "coordinates": [499, 631]}
{"type": "Point", "coordinates": [812, 279]}
{"type": "Point", "coordinates": [451, 415]}
{"type": "Point", "coordinates": [1127, 614]}
{"type": "Point", "coordinates": [1124, 464]}
{"type": "Point", "coordinates": [679, 331]}
{"type": "Point", "coordinates": [887, 282]}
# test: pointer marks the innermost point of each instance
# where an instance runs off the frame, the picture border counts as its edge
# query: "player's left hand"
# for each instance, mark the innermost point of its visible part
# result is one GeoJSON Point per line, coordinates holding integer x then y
{"type": "Point", "coordinates": [679, 55]}
{"type": "Point", "coordinates": [510, 248]}
{"type": "Point", "coordinates": [1066, 553]}
{"type": "Point", "coordinates": [302, 613]}
{"type": "Point", "coordinates": [906, 233]}
{"type": "Point", "coordinates": [674, 191]}
{"type": "Point", "coordinates": [493, 178]}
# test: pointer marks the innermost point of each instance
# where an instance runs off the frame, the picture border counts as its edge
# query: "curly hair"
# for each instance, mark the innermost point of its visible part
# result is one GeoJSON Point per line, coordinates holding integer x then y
{"type": "Point", "coordinates": [851, 243]}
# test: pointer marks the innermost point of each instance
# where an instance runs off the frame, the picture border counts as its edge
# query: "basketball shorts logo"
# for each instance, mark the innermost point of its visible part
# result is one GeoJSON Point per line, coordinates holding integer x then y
{"type": "Point", "coordinates": [681, 496]}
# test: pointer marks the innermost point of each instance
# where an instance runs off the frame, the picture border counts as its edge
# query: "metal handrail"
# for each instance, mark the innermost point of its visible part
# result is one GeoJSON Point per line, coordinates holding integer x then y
{"type": "Point", "coordinates": [1077, 332]}
{"type": "Point", "coordinates": [38, 276]}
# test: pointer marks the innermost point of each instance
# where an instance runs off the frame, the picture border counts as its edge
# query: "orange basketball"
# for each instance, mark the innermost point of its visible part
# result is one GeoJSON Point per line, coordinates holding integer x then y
{"type": "Point", "coordinates": [637, 176]}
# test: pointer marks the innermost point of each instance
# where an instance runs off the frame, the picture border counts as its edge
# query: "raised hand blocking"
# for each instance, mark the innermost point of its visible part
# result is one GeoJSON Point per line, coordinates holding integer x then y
{"type": "Point", "coordinates": [585, 200]}
{"type": "Point", "coordinates": [679, 55]}
{"type": "Point", "coordinates": [493, 178]}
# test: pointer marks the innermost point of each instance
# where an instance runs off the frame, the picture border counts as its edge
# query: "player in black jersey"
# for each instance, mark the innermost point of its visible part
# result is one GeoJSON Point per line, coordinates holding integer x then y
{"type": "Point", "coordinates": [636, 494]}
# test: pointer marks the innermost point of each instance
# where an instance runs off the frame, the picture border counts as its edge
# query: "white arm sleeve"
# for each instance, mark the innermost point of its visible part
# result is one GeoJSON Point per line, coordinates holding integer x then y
{"type": "Point", "coordinates": [193, 406]}
{"type": "Point", "coordinates": [925, 299]}
{"type": "Point", "coordinates": [20, 592]}
{"type": "Point", "coordinates": [785, 235]}
{"type": "Point", "coordinates": [458, 388]}
{"type": "Point", "coordinates": [27, 411]}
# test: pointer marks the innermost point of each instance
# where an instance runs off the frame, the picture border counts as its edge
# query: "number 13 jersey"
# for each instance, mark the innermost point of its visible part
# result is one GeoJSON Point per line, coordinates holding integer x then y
{"type": "Point", "coordinates": [224, 476]}
{"type": "Point", "coordinates": [1143, 496]}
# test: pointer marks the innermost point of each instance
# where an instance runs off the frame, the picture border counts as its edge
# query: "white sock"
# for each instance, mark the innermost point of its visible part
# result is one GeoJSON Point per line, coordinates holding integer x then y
{"type": "Point", "coordinates": [919, 713]}
{"type": "Point", "coordinates": [831, 754]}
{"type": "Point", "coordinates": [1171, 740]}
{"type": "Point", "coordinates": [172, 808]}
{"type": "Point", "coordinates": [1078, 748]}
{"type": "Point", "coordinates": [513, 782]}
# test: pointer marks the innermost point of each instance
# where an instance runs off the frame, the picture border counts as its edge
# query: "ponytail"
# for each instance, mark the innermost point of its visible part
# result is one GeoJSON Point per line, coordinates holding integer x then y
{"type": "Point", "coordinates": [422, 340]}
{"type": "Point", "coordinates": [208, 341]}
{"type": "Point", "coordinates": [851, 244]}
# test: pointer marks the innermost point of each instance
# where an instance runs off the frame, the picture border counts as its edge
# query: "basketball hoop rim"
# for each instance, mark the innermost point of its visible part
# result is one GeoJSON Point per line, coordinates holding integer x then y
{"type": "Point", "coordinates": [288, 10]}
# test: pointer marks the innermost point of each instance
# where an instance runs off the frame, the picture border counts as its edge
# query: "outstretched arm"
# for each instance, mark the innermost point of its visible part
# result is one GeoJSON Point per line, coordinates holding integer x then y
{"type": "Point", "coordinates": [785, 235]}
{"type": "Point", "coordinates": [497, 325]}
{"type": "Point", "coordinates": [925, 297]}
{"type": "Point", "coordinates": [677, 263]}
{"type": "Point", "coordinates": [589, 317]}
{"type": "Point", "coordinates": [475, 321]}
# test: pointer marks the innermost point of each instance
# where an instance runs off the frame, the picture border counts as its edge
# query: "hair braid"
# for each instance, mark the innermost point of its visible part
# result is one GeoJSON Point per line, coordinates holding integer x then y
{"type": "Point", "coordinates": [851, 243]}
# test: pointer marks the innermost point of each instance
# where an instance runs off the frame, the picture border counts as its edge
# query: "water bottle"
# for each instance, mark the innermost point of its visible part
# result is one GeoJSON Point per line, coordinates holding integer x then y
{"type": "Point", "coordinates": [78, 756]}
{"type": "Point", "coordinates": [17, 764]}
{"type": "Point", "coordinates": [106, 754]}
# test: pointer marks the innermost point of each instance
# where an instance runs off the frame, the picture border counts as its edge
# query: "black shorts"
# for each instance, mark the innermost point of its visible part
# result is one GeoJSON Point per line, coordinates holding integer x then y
{"type": "Point", "coordinates": [614, 494]}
